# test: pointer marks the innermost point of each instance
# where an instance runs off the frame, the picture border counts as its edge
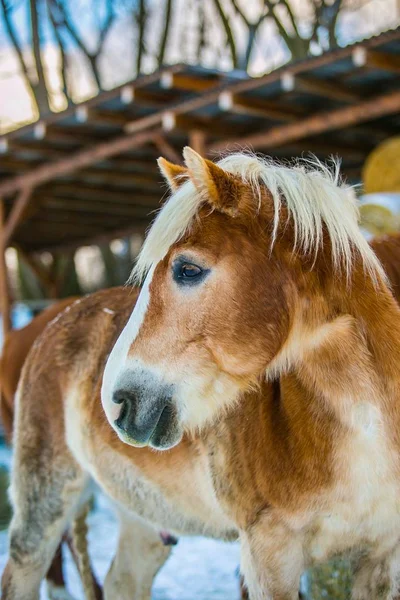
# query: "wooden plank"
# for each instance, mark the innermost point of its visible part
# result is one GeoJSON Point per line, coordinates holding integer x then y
{"type": "Point", "coordinates": [212, 126]}
{"type": "Point", "coordinates": [16, 216]}
{"type": "Point", "coordinates": [326, 89]}
{"type": "Point", "coordinates": [4, 287]}
{"type": "Point", "coordinates": [183, 81]}
{"type": "Point", "coordinates": [167, 150]}
{"type": "Point", "coordinates": [257, 107]}
{"type": "Point", "coordinates": [117, 177]}
{"type": "Point", "coordinates": [139, 227]}
{"type": "Point", "coordinates": [376, 59]}
{"type": "Point", "coordinates": [78, 160]}
{"type": "Point", "coordinates": [102, 194]}
{"type": "Point", "coordinates": [326, 121]}
{"type": "Point", "coordinates": [197, 141]}
{"type": "Point", "coordinates": [101, 209]}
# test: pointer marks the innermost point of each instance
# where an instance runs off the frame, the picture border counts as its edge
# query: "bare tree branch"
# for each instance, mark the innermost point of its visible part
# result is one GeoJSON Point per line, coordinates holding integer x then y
{"type": "Point", "coordinates": [37, 87]}
{"type": "Point", "coordinates": [252, 30]}
{"type": "Point", "coordinates": [63, 55]}
{"type": "Point", "coordinates": [228, 31]}
{"type": "Point", "coordinates": [165, 33]}
{"type": "Point", "coordinates": [201, 42]}
{"type": "Point", "coordinates": [298, 46]}
{"type": "Point", "coordinates": [41, 93]}
{"type": "Point", "coordinates": [65, 21]}
{"type": "Point", "coordinates": [286, 4]}
{"type": "Point", "coordinates": [14, 39]}
{"type": "Point", "coordinates": [240, 12]}
{"type": "Point", "coordinates": [141, 19]}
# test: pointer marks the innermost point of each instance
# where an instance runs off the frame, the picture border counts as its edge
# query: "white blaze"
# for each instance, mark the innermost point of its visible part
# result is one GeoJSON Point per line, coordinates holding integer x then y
{"type": "Point", "coordinates": [117, 360]}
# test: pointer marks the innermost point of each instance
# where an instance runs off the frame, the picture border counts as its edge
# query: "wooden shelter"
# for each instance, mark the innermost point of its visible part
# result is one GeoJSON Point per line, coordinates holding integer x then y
{"type": "Point", "coordinates": [89, 173]}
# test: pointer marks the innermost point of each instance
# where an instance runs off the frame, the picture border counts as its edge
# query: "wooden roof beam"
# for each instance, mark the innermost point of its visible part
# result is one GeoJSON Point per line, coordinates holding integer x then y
{"type": "Point", "coordinates": [256, 107]}
{"type": "Point", "coordinates": [166, 149]}
{"type": "Point", "coordinates": [134, 180]}
{"type": "Point", "coordinates": [139, 227]}
{"type": "Point", "coordinates": [182, 81]}
{"type": "Point", "coordinates": [16, 216]}
{"type": "Point", "coordinates": [340, 118]}
{"type": "Point", "coordinates": [318, 87]}
{"type": "Point", "coordinates": [74, 205]}
{"type": "Point", "coordinates": [210, 126]}
{"type": "Point", "coordinates": [376, 59]}
{"type": "Point", "coordinates": [93, 192]}
{"type": "Point", "coordinates": [78, 160]}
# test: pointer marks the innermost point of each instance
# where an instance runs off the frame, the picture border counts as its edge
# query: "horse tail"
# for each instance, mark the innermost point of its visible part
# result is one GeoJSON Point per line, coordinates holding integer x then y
{"type": "Point", "coordinates": [387, 249]}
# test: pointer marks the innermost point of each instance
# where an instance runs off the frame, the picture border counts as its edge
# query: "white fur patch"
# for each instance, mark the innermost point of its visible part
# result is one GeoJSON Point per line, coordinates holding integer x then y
{"type": "Point", "coordinates": [117, 360]}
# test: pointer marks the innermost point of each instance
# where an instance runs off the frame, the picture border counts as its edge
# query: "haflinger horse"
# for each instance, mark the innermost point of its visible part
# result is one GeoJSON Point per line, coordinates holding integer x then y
{"type": "Point", "coordinates": [250, 390]}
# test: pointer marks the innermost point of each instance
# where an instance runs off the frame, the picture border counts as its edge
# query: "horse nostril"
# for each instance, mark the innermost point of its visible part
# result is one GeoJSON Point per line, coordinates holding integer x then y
{"type": "Point", "coordinates": [120, 396]}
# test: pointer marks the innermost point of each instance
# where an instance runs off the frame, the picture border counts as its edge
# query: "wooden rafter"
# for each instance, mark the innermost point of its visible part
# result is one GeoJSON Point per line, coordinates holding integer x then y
{"type": "Point", "coordinates": [189, 82]}
{"type": "Point", "coordinates": [197, 141]}
{"type": "Point", "coordinates": [78, 160]}
{"type": "Point", "coordinates": [326, 121]}
{"type": "Point", "coordinates": [166, 149]}
{"type": "Point", "coordinates": [326, 89]}
{"type": "Point", "coordinates": [376, 59]}
{"type": "Point", "coordinates": [257, 107]}
{"type": "Point", "coordinates": [16, 215]}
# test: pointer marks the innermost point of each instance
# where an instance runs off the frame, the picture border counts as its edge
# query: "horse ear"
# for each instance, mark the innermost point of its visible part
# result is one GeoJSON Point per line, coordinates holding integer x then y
{"type": "Point", "coordinates": [221, 189]}
{"type": "Point", "coordinates": [173, 174]}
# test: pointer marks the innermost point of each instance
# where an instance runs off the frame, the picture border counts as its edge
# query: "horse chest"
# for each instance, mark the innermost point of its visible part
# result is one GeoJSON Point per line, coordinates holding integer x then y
{"type": "Point", "coordinates": [363, 508]}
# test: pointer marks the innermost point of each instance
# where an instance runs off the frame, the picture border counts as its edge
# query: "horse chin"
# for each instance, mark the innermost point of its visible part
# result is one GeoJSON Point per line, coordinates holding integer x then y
{"type": "Point", "coordinates": [127, 439]}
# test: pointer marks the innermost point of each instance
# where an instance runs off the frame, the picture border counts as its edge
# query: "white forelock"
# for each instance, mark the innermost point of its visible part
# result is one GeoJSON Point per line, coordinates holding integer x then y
{"type": "Point", "coordinates": [315, 198]}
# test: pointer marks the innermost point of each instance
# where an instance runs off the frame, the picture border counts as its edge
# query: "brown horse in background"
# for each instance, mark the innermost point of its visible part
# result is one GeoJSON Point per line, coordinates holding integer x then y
{"type": "Point", "coordinates": [246, 470]}
{"type": "Point", "coordinates": [17, 345]}
{"type": "Point", "coordinates": [387, 249]}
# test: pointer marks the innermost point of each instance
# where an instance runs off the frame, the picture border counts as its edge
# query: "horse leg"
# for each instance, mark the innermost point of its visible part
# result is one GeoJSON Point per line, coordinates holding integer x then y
{"type": "Point", "coordinates": [55, 582]}
{"type": "Point", "coordinates": [377, 578]}
{"type": "Point", "coordinates": [271, 561]}
{"type": "Point", "coordinates": [140, 555]}
{"type": "Point", "coordinates": [46, 489]}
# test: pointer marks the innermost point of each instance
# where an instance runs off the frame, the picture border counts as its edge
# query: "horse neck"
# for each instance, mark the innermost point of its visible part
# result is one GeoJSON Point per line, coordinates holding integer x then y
{"type": "Point", "coordinates": [349, 359]}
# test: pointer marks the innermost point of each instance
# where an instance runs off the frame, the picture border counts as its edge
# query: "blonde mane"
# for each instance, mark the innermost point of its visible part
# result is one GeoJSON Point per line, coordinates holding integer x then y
{"type": "Point", "coordinates": [314, 195]}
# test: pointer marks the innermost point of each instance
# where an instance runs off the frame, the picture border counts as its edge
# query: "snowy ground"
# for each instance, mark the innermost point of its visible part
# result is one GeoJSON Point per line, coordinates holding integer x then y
{"type": "Point", "coordinates": [198, 568]}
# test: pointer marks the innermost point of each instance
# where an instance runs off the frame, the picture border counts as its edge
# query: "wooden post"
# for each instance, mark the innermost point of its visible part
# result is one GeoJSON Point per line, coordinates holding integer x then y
{"type": "Point", "coordinates": [197, 141]}
{"type": "Point", "coordinates": [4, 289]}
{"type": "Point", "coordinates": [16, 216]}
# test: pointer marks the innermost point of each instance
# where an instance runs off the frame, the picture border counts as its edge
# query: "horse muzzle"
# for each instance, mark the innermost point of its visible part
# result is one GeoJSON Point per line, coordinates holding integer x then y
{"type": "Point", "coordinates": [148, 415]}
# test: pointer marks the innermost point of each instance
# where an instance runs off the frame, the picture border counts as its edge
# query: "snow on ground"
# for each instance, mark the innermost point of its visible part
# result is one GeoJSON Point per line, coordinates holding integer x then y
{"type": "Point", "coordinates": [198, 568]}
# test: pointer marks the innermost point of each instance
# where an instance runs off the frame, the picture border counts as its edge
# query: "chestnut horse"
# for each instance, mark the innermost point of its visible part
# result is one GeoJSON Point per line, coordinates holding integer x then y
{"type": "Point", "coordinates": [16, 346]}
{"type": "Point", "coordinates": [251, 391]}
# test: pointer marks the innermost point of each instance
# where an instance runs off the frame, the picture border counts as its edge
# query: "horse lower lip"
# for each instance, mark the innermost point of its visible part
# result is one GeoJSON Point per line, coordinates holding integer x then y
{"type": "Point", "coordinates": [162, 422]}
{"type": "Point", "coordinates": [140, 436]}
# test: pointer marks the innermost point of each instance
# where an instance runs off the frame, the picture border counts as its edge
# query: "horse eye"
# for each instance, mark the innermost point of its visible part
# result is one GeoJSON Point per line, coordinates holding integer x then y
{"type": "Point", "coordinates": [188, 271]}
